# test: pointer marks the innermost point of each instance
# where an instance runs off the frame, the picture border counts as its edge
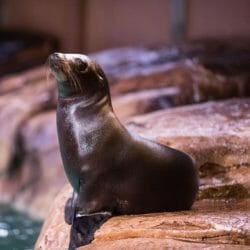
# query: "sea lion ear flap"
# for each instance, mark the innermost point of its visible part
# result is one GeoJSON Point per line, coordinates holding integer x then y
{"type": "Point", "coordinates": [101, 75]}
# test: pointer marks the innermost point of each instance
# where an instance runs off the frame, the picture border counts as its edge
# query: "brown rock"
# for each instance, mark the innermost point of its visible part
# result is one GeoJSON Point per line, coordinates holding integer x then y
{"type": "Point", "coordinates": [145, 101]}
{"type": "Point", "coordinates": [203, 62]}
{"type": "Point", "coordinates": [227, 57]}
{"type": "Point", "coordinates": [55, 232]}
{"type": "Point", "coordinates": [181, 229]}
{"type": "Point", "coordinates": [196, 83]}
{"type": "Point", "coordinates": [16, 108]}
{"type": "Point", "coordinates": [155, 244]}
{"type": "Point", "coordinates": [16, 81]}
{"type": "Point", "coordinates": [217, 135]}
{"type": "Point", "coordinates": [209, 224]}
{"type": "Point", "coordinates": [177, 85]}
{"type": "Point", "coordinates": [36, 182]}
{"type": "Point", "coordinates": [198, 73]}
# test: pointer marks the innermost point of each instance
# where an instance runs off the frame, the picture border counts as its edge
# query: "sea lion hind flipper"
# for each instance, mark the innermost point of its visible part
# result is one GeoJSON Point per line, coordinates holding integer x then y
{"type": "Point", "coordinates": [84, 226]}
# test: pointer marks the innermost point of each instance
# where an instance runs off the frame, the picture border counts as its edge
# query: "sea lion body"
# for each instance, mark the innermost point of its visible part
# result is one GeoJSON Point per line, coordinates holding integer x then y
{"type": "Point", "coordinates": [110, 168]}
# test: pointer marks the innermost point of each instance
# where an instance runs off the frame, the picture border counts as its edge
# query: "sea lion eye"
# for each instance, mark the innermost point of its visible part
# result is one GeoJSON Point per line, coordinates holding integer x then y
{"type": "Point", "coordinates": [82, 66]}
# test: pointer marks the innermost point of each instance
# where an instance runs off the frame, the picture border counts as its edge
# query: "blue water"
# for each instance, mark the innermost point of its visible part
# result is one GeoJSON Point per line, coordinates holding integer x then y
{"type": "Point", "coordinates": [17, 230]}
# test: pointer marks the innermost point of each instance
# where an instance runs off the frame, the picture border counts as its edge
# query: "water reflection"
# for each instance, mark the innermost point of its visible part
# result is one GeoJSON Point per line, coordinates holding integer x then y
{"type": "Point", "coordinates": [17, 230]}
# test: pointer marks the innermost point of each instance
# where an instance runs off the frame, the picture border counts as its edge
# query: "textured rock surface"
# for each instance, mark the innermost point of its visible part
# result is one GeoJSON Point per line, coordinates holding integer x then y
{"type": "Point", "coordinates": [225, 65]}
{"type": "Point", "coordinates": [217, 135]}
{"type": "Point", "coordinates": [216, 224]}
{"type": "Point", "coordinates": [229, 57]}
{"type": "Point", "coordinates": [145, 101]}
{"type": "Point", "coordinates": [16, 81]}
{"type": "Point", "coordinates": [210, 224]}
{"type": "Point", "coordinates": [15, 108]}
{"type": "Point", "coordinates": [55, 232]}
{"type": "Point", "coordinates": [33, 185]}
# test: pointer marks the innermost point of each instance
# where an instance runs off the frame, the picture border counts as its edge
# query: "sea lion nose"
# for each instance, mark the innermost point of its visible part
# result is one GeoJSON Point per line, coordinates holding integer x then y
{"type": "Point", "coordinates": [53, 59]}
{"type": "Point", "coordinates": [55, 56]}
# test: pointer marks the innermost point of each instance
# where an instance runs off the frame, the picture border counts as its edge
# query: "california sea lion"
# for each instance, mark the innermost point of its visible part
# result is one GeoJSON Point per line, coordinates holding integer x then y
{"type": "Point", "coordinates": [110, 168]}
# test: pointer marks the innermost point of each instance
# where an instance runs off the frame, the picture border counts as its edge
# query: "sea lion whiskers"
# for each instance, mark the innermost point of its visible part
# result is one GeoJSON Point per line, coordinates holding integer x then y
{"type": "Point", "coordinates": [48, 70]}
{"type": "Point", "coordinates": [65, 66]}
{"type": "Point", "coordinates": [48, 74]}
{"type": "Point", "coordinates": [72, 76]}
{"type": "Point", "coordinates": [71, 80]}
{"type": "Point", "coordinates": [75, 80]}
{"type": "Point", "coordinates": [68, 71]}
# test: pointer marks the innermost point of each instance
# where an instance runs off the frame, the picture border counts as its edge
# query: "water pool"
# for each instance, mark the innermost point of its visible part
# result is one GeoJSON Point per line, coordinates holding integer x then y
{"type": "Point", "coordinates": [17, 230]}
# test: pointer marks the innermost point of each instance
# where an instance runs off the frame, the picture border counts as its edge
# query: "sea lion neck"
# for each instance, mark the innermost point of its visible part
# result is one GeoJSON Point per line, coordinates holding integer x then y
{"type": "Point", "coordinates": [86, 107]}
{"type": "Point", "coordinates": [65, 89]}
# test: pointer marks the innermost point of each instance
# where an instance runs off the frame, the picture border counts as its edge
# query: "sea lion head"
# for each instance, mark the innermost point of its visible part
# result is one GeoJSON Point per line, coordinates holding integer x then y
{"type": "Point", "coordinates": [77, 75]}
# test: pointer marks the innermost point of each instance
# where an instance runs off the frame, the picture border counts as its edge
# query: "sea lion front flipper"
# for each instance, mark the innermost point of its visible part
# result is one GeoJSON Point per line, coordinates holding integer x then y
{"type": "Point", "coordinates": [84, 226]}
{"type": "Point", "coordinates": [70, 209]}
